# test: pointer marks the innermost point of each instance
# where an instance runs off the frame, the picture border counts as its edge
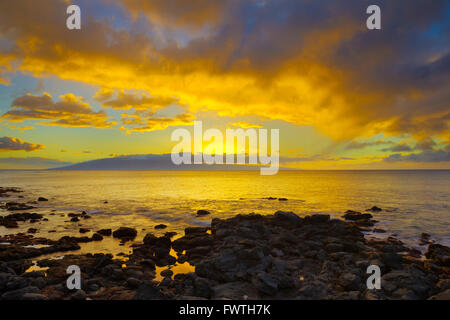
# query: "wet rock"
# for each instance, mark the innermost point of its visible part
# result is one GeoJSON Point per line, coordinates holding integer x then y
{"type": "Point", "coordinates": [15, 206]}
{"type": "Point", "coordinates": [167, 273]}
{"type": "Point", "coordinates": [96, 237]}
{"type": "Point", "coordinates": [439, 254]}
{"type": "Point", "coordinates": [202, 288]}
{"type": "Point", "coordinates": [288, 217]}
{"type": "Point", "coordinates": [350, 282]}
{"type": "Point", "coordinates": [148, 291]}
{"type": "Point", "coordinates": [105, 232]}
{"type": "Point", "coordinates": [10, 221]}
{"type": "Point", "coordinates": [411, 279]}
{"type": "Point", "coordinates": [375, 209]}
{"type": "Point", "coordinates": [353, 216]}
{"type": "Point", "coordinates": [201, 213]}
{"type": "Point", "coordinates": [19, 294]}
{"type": "Point", "coordinates": [391, 260]}
{"type": "Point", "coordinates": [34, 297]}
{"type": "Point", "coordinates": [79, 295]}
{"type": "Point", "coordinates": [170, 235]}
{"type": "Point", "coordinates": [445, 295]}
{"type": "Point", "coordinates": [313, 291]}
{"type": "Point", "coordinates": [265, 283]}
{"type": "Point", "coordinates": [133, 283]}
{"type": "Point", "coordinates": [317, 219]}
{"type": "Point", "coordinates": [125, 232]}
{"type": "Point", "coordinates": [235, 291]}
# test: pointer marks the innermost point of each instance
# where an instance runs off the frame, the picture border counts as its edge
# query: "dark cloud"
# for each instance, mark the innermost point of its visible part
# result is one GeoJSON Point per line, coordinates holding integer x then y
{"type": "Point", "coordinates": [16, 144]}
{"type": "Point", "coordinates": [301, 61]}
{"type": "Point", "coordinates": [70, 111]}
{"type": "Point", "coordinates": [425, 156]}
{"type": "Point", "coordinates": [125, 100]}
{"type": "Point", "coordinates": [398, 148]}
{"type": "Point", "coordinates": [151, 122]}
{"type": "Point", "coordinates": [361, 145]}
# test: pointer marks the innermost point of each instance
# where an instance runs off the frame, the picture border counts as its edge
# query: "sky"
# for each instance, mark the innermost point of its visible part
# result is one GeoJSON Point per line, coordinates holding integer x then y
{"type": "Point", "coordinates": [342, 96]}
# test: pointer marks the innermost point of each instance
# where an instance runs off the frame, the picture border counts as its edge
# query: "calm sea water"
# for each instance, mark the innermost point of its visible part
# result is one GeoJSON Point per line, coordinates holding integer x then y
{"type": "Point", "coordinates": [412, 201]}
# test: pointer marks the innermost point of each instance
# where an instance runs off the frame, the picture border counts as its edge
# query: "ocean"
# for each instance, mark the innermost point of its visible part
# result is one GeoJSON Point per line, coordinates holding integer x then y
{"type": "Point", "coordinates": [412, 201]}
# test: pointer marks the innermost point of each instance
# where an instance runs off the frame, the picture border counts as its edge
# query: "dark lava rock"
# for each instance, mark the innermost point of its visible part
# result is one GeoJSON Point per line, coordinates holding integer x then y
{"type": "Point", "coordinates": [125, 232]}
{"type": "Point", "coordinates": [74, 219]}
{"type": "Point", "coordinates": [439, 254]}
{"type": "Point", "coordinates": [148, 291]}
{"type": "Point", "coordinates": [201, 213]}
{"type": "Point", "coordinates": [79, 295]}
{"type": "Point", "coordinates": [353, 216]}
{"type": "Point", "coordinates": [167, 273]}
{"type": "Point", "coordinates": [202, 288]}
{"type": "Point", "coordinates": [317, 218]}
{"type": "Point", "coordinates": [105, 232]}
{"type": "Point", "coordinates": [375, 209]}
{"type": "Point", "coordinates": [96, 237]}
{"type": "Point", "coordinates": [84, 230]}
{"type": "Point", "coordinates": [10, 221]}
{"type": "Point", "coordinates": [42, 199]}
{"type": "Point", "coordinates": [288, 217]}
{"type": "Point", "coordinates": [133, 283]}
{"type": "Point", "coordinates": [19, 294]}
{"type": "Point", "coordinates": [160, 226]}
{"type": "Point", "coordinates": [170, 234]}
{"type": "Point", "coordinates": [265, 283]}
{"type": "Point", "coordinates": [15, 206]}
{"type": "Point", "coordinates": [282, 199]}
{"type": "Point", "coordinates": [32, 230]}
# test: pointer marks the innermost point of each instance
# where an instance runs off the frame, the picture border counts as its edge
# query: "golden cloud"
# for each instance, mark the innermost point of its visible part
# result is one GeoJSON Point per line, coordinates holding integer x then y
{"type": "Point", "coordinates": [140, 123]}
{"type": "Point", "coordinates": [8, 144]}
{"type": "Point", "coordinates": [136, 101]}
{"type": "Point", "coordinates": [306, 71]}
{"type": "Point", "coordinates": [245, 125]}
{"type": "Point", "coordinates": [70, 111]}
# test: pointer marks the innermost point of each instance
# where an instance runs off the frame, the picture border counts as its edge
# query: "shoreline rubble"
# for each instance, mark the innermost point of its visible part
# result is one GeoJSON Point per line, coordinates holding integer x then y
{"type": "Point", "coordinates": [279, 256]}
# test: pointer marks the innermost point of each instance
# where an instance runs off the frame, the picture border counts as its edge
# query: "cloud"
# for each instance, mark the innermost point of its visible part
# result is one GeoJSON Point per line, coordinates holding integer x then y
{"type": "Point", "coordinates": [22, 128]}
{"type": "Point", "coordinates": [134, 100]}
{"type": "Point", "coordinates": [398, 148]}
{"type": "Point", "coordinates": [139, 123]}
{"type": "Point", "coordinates": [193, 14]}
{"type": "Point", "coordinates": [361, 145]}
{"type": "Point", "coordinates": [70, 111]}
{"type": "Point", "coordinates": [245, 125]}
{"type": "Point", "coordinates": [304, 62]}
{"type": "Point", "coordinates": [425, 156]}
{"type": "Point", "coordinates": [15, 144]}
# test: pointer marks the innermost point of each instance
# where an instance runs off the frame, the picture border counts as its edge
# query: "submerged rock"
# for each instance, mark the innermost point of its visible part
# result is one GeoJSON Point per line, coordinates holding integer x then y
{"type": "Point", "coordinates": [201, 213]}
{"type": "Point", "coordinates": [105, 232]}
{"type": "Point", "coordinates": [125, 232]}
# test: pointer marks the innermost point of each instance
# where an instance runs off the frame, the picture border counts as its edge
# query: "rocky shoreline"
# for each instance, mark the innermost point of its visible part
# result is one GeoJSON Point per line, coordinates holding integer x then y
{"type": "Point", "coordinates": [279, 256]}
